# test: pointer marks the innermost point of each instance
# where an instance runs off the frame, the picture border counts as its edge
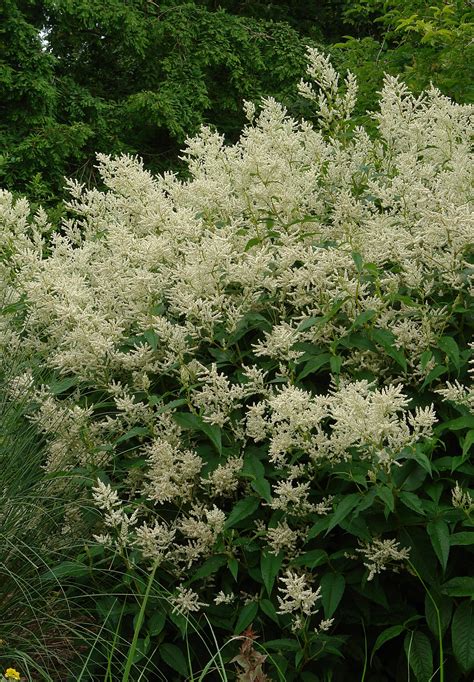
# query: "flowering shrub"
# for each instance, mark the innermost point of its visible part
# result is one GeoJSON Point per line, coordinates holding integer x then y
{"type": "Point", "coordinates": [265, 371]}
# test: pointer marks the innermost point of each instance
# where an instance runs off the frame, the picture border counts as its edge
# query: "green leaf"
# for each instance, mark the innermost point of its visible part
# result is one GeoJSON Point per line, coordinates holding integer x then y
{"type": "Point", "coordinates": [363, 317]}
{"type": "Point", "coordinates": [345, 506]}
{"type": "Point", "coordinates": [318, 527]}
{"type": "Point", "coordinates": [283, 645]}
{"type": "Point", "coordinates": [67, 569]}
{"type": "Point", "coordinates": [467, 443]}
{"type": "Point", "coordinates": [62, 385]}
{"type": "Point", "coordinates": [332, 589]}
{"type": "Point", "coordinates": [187, 420]}
{"type": "Point", "coordinates": [242, 509]}
{"type": "Point", "coordinates": [419, 655]}
{"type": "Point", "coordinates": [174, 657]}
{"type": "Point", "coordinates": [357, 258]}
{"type": "Point", "coordinates": [252, 242]}
{"type": "Point", "coordinates": [386, 496]}
{"type": "Point", "coordinates": [386, 636]}
{"type": "Point", "coordinates": [466, 422]}
{"type": "Point", "coordinates": [311, 559]}
{"type": "Point", "coordinates": [422, 459]}
{"type": "Point", "coordinates": [312, 366]}
{"type": "Point", "coordinates": [152, 338]}
{"type": "Point", "coordinates": [386, 339]}
{"type": "Point", "coordinates": [233, 566]}
{"type": "Point", "coordinates": [310, 322]}
{"type": "Point", "coordinates": [254, 468]}
{"type": "Point", "coordinates": [269, 610]}
{"type": "Point", "coordinates": [156, 623]}
{"type": "Point", "coordinates": [335, 363]}
{"type": "Point", "coordinates": [434, 374]}
{"type": "Point", "coordinates": [262, 487]}
{"type": "Point", "coordinates": [462, 636]}
{"type": "Point", "coordinates": [412, 501]}
{"type": "Point", "coordinates": [210, 566]}
{"type": "Point", "coordinates": [270, 565]}
{"type": "Point", "coordinates": [449, 346]}
{"type": "Point", "coordinates": [136, 431]}
{"type": "Point", "coordinates": [156, 399]}
{"type": "Point", "coordinates": [445, 607]}
{"type": "Point", "coordinates": [459, 587]}
{"type": "Point", "coordinates": [438, 531]}
{"type": "Point", "coordinates": [462, 538]}
{"type": "Point", "coordinates": [247, 614]}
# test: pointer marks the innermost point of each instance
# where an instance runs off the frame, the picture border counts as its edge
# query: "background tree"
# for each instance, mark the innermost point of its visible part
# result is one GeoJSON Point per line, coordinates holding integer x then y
{"type": "Point", "coordinates": [111, 76]}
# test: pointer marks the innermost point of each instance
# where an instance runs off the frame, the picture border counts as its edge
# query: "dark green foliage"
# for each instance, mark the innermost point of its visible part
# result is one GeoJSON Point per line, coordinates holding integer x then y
{"type": "Point", "coordinates": [138, 77]}
{"type": "Point", "coordinates": [82, 77]}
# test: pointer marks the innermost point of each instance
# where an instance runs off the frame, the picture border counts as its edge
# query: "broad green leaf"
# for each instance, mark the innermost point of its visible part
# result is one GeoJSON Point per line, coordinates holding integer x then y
{"type": "Point", "coordinates": [270, 565]}
{"type": "Point", "coordinates": [357, 526]}
{"type": "Point", "coordinates": [310, 322]}
{"type": "Point", "coordinates": [67, 569]}
{"type": "Point", "coordinates": [309, 677]}
{"type": "Point", "coordinates": [467, 443]}
{"type": "Point", "coordinates": [462, 636]}
{"type": "Point", "coordinates": [459, 587]}
{"type": "Point", "coordinates": [241, 510]}
{"type": "Point", "coordinates": [335, 363]}
{"type": "Point", "coordinates": [419, 655]}
{"type": "Point", "coordinates": [155, 399]}
{"type": "Point", "coordinates": [313, 365]}
{"type": "Point", "coordinates": [252, 242]}
{"type": "Point", "coordinates": [156, 623]}
{"type": "Point", "coordinates": [409, 476]}
{"type": "Point", "coordinates": [136, 431]}
{"type": "Point", "coordinates": [152, 338]}
{"type": "Point", "coordinates": [438, 531]}
{"type": "Point", "coordinates": [412, 502]}
{"type": "Point", "coordinates": [311, 559]}
{"type": "Point", "coordinates": [187, 420]}
{"type": "Point", "coordinates": [233, 566]}
{"type": "Point", "coordinates": [254, 469]}
{"type": "Point", "coordinates": [434, 374]}
{"type": "Point", "coordinates": [283, 645]}
{"type": "Point", "coordinates": [214, 433]}
{"type": "Point", "coordinates": [465, 422]}
{"type": "Point", "coordinates": [425, 358]}
{"type": "Point", "coordinates": [263, 488]}
{"type": "Point", "coordinates": [445, 607]}
{"type": "Point", "coordinates": [386, 496]}
{"type": "Point", "coordinates": [174, 657]}
{"type": "Point", "coordinates": [462, 538]}
{"type": "Point", "coordinates": [364, 317]}
{"type": "Point", "coordinates": [246, 616]}
{"type": "Point", "coordinates": [422, 460]}
{"type": "Point", "coordinates": [386, 636]}
{"type": "Point", "coordinates": [62, 385]}
{"type": "Point", "coordinates": [318, 527]}
{"type": "Point", "coordinates": [345, 506]}
{"type": "Point", "coordinates": [210, 566]}
{"type": "Point", "coordinates": [358, 260]}
{"type": "Point", "coordinates": [269, 610]}
{"type": "Point", "coordinates": [332, 589]}
{"type": "Point", "coordinates": [386, 339]}
{"type": "Point", "coordinates": [451, 348]}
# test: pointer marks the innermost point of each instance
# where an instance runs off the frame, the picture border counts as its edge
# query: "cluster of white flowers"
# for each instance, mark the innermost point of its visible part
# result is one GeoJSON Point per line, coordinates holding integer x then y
{"type": "Point", "coordinates": [382, 554]}
{"type": "Point", "coordinates": [293, 238]}
{"type": "Point", "coordinates": [298, 597]}
{"type": "Point", "coordinates": [373, 421]}
{"type": "Point", "coordinates": [462, 499]}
